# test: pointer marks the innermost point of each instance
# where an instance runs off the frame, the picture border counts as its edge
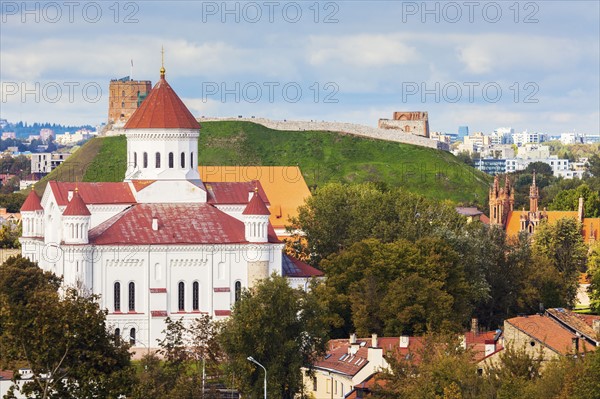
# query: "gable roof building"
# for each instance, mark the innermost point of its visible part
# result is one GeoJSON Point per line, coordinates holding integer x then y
{"type": "Point", "coordinates": [162, 242]}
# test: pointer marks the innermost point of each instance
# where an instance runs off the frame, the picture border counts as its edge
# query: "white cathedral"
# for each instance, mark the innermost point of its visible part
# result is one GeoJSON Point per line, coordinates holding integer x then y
{"type": "Point", "coordinates": [162, 242]}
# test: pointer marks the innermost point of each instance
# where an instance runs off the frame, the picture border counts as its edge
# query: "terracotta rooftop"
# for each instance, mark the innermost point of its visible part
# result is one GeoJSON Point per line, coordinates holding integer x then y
{"type": "Point", "coordinates": [573, 321]}
{"type": "Point", "coordinates": [284, 186]}
{"type": "Point", "coordinates": [162, 109]}
{"type": "Point", "coordinates": [292, 267]}
{"type": "Point", "coordinates": [177, 224]}
{"type": "Point", "coordinates": [549, 332]}
{"type": "Point", "coordinates": [93, 193]}
{"type": "Point", "coordinates": [32, 203]}
{"type": "Point", "coordinates": [76, 207]}
{"type": "Point", "coordinates": [256, 206]}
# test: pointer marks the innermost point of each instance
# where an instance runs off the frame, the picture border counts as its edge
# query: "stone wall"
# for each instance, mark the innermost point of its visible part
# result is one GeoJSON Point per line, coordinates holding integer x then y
{"type": "Point", "coordinates": [347, 128]}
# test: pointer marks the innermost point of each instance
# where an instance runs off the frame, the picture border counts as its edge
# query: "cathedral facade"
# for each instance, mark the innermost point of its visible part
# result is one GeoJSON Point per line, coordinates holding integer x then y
{"type": "Point", "coordinates": [162, 242]}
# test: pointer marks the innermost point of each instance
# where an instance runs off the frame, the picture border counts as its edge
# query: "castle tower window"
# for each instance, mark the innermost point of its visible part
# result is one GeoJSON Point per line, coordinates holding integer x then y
{"type": "Point", "coordinates": [182, 160]}
{"type": "Point", "coordinates": [117, 297]}
{"type": "Point", "coordinates": [145, 160]}
{"type": "Point", "coordinates": [132, 296]}
{"type": "Point", "coordinates": [181, 296]}
{"type": "Point", "coordinates": [196, 296]}
{"type": "Point", "coordinates": [157, 160]}
{"type": "Point", "coordinates": [171, 161]}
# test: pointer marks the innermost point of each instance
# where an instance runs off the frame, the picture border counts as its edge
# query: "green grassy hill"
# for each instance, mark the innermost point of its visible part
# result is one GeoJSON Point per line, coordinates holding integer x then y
{"type": "Point", "coordinates": [322, 156]}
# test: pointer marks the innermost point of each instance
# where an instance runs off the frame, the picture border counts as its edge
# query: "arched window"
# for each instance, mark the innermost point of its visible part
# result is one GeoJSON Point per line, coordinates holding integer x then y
{"type": "Point", "coordinates": [157, 160]}
{"type": "Point", "coordinates": [195, 296]}
{"type": "Point", "coordinates": [182, 160]}
{"type": "Point", "coordinates": [132, 336]}
{"type": "Point", "coordinates": [123, 93]}
{"type": "Point", "coordinates": [145, 160]}
{"type": "Point", "coordinates": [181, 296]}
{"type": "Point", "coordinates": [117, 334]}
{"type": "Point", "coordinates": [132, 297]}
{"type": "Point", "coordinates": [171, 161]}
{"type": "Point", "coordinates": [192, 160]}
{"type": "Point", "coordinates": [135, 159]}
{"type": "Point", "coordinates": [117, 297]}
{"type": "Point", "coordinates": [238, 290]}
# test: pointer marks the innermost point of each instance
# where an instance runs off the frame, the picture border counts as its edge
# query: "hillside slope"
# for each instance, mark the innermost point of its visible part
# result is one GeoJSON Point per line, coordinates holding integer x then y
{"type": "Point", "coordinates": [322, 156]}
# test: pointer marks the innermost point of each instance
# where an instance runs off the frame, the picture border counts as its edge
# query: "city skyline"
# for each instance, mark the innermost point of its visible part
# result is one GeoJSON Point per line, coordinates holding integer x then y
{"type": "Point", "coordinates": [528, 65]}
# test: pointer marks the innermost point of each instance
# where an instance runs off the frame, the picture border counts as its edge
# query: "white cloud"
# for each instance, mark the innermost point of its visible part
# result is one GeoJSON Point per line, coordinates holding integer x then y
{"type": "Point", "coordinates": [363, 50]}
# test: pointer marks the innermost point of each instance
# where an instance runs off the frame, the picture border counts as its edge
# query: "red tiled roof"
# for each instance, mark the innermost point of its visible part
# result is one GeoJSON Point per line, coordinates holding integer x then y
{"type": "Point", "coordinates": [76, 207]}
{"type": "Point", "coordinates": [32, 203]}
{"type": "Point", "coordinates": [293, 267]}
{"type": "Point", "coordinates": [93, 193]}
{"type": "Point", "coordinates": [139, 185]}
{"type": "Point", "coordinates": [6, 375]}
{"type": "Point", "coordinates": [233, 193]}
{"type": "Point", "coordinates": [572, 320]}
{"type": "Point", "coordinates": [177, 224]}
{"type": "Point", "coordinates": [549, 332]}
{"type": "Point", "coordinates": [256, 206]}
{"type": "Point", "coordinates": [340, 361]}
{"type": "Point", "coordinates": [162, 109]}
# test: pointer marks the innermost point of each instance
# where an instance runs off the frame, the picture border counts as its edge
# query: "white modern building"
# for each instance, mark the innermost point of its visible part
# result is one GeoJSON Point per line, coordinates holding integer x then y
{"type": "Point", "coordinates": [527, 137]}
{"type": "Point", "coordinates": [162, 242]}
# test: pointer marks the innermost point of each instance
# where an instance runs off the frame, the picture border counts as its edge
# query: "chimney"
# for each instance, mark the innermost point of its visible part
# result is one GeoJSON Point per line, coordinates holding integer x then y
{"type": "Point", "coordinates": [404, 341]}
{"type": "Point", "coordinates": [475, 325]}
{"type": "Point", "coordinates": [374, 343]}
{"type": "Point", "coordinates": [352, 338]}
{"type": "Point", "coordinates": [580, 210]}
{"type": "Point", "coordinates": [154, 223]}
{"type": "Point", "coordinates": [575, 345]}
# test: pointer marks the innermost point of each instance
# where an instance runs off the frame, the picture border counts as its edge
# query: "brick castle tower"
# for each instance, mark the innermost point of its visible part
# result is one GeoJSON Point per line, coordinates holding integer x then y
{"type": "Point", "coordinates": [125, 96]}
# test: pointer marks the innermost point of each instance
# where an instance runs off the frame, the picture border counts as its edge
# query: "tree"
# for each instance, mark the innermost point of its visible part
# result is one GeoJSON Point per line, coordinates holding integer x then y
{"type": "Point", "coordinates": [568, 200]}
{"type": "Point", "coordinates": [10, 231]}
{"type": "Point", "coordinates": [540, 168]}
{"type": "Point", "coordinates": [594, 273]}
{"type": "Point", "coordinates": [282, 328]}
{"type": "Point", "coordinates": [63, 339]}
{"type": "Point", "coordinates": [560, 245]}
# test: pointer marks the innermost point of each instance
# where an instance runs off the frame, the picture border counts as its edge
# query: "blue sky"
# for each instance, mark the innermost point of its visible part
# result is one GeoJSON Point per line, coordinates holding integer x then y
{"type": "Point", "coordinates": [529, 65]}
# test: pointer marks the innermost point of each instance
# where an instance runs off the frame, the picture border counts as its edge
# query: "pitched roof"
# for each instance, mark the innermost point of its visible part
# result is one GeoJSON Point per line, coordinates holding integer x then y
{"type": "Point", "coordinates": [93, 193]}
{"type": "Point", "coordinates": [591, 226]}
{"type": "Point", "coordinates": [162, 109]}
{"type": "Point", "coordinates": [76, 207]}
{"type": "Point", "coordinates": [573, 321]}
{"type": "Point", "coordinates": [292, 267]}
{"type": "Point", "coordinates": [233, 193]}
{"type": "Point", "coordinates": [549, 332]}
{"type": "Point", "coordinates": [32, 203]}
{"type": "Point", "coordinates": [256, 206]}
{"type": "Point", "coordinates": [284, 185]}
{"type": "Point", "coordinates": [177, 224]}
{"type": "Point", "coordinates": [340, 361]}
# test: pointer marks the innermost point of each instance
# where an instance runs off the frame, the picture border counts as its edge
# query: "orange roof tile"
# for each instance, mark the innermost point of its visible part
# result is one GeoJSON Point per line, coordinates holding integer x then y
{"type": "Point", "coordinates": [162, 109]}
{"type": "Point", "coordinates": [549, 332]}
{"type": "Point", "coordinates": [591, 226]}
{"type": "Point", "coordinates": [284, 186]}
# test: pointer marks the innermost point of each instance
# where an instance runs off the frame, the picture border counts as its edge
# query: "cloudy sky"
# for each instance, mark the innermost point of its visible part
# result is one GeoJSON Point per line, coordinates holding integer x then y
{"type": "Point", "coordinates": [529, 65]}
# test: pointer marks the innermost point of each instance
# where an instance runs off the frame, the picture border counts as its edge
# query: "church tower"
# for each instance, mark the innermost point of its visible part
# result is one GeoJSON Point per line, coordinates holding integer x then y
{"type": "Point", "coordinates": [502, 201]}
{"type": "Point", "coordinates": [530, 220]}
{"type": "Point", "coordinates": [534, 195]}
{"type": "Point", "coordinates": [162, 149]}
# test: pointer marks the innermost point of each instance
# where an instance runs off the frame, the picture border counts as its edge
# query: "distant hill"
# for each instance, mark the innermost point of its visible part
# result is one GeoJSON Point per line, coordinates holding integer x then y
{"type": "Point", "coordinates": [322, 156]}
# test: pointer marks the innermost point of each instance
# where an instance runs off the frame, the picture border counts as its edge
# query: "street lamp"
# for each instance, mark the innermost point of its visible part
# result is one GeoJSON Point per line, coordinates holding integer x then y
{"type": "Point", "coordinates": [251, 359]}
